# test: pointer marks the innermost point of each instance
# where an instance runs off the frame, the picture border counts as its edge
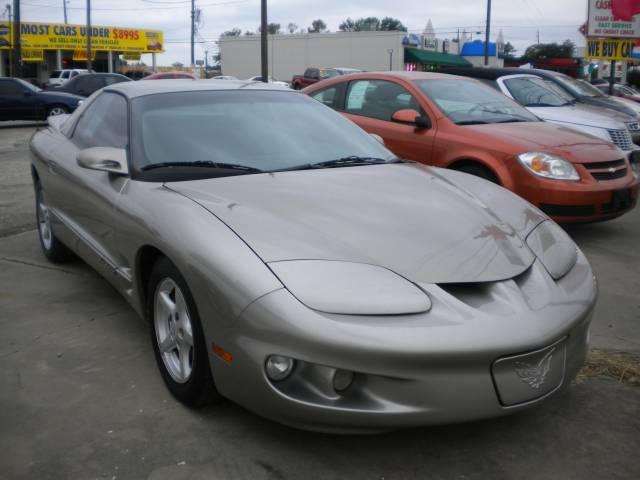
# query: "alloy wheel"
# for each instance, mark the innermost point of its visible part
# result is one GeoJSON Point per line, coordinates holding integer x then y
{"type": "Point", "coordinates": [44, 223]}
{"type": "Point", "coordinates": [174, 332]}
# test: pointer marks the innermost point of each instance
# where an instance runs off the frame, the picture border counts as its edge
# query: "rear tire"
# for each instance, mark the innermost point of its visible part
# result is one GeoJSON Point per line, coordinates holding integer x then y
{"type": "Point", "coordinates": [177, 337]}
{"type": "Point", "coordinates": [53, 249]}
{"type": "Point", "coordinates": [54, 110]}
{"type": "Point", "coordinates": [479, 171]}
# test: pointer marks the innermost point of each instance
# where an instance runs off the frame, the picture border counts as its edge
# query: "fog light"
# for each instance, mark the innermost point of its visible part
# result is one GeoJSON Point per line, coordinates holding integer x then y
{"type": "Point", "coordinates": [278, 367]}
{"type": "Point", "coordinates": [342, 380]}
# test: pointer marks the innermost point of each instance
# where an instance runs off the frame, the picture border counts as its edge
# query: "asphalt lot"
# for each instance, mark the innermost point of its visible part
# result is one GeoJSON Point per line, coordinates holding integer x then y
{"type": "Point", "coordinates": [81, 398]}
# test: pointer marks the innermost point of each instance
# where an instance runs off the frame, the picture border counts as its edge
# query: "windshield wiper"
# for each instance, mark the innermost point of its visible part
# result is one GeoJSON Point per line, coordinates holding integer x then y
{"type": "Point", "coordinates": [203, 164]}
{"type": "Point", "coordinates": [544, 105]}
{"type": "Point", "coordinates": [512, 120]}
{"type": "Point", "coordinates": [350, 161]}
{"type": "Point", "coordinates": [472, 122]}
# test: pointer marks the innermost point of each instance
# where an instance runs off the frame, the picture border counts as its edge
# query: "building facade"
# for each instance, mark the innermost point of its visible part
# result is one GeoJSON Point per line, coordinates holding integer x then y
{"type": "Point", "coordinates": [46, 47]}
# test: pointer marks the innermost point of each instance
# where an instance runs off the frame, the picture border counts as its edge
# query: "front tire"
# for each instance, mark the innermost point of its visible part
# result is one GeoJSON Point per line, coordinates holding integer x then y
{"type": "Point", "coordinates": [53, 249]}
{"type": "Point", "coordinates": [177, 337]}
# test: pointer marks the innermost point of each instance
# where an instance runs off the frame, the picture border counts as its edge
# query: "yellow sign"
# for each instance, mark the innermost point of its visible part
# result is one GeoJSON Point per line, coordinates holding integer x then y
{"type": "Point", "coordinates": [32, 55]}
{"type": "Point", "coordinates": [609, 49]}
{"type": "Point", "coordinates": [131, 56]}
{"type": "Point", "coordinates": [81, 55]}
{"type": "Point", "coordinates": [58, 36]}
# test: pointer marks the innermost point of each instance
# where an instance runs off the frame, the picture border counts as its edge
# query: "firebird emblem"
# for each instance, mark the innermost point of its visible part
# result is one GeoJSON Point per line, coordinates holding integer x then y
{"type": "Point", "coordinates": [535, 374]}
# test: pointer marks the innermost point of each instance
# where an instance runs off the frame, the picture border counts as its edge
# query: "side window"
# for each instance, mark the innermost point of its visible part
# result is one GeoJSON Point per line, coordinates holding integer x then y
{"type": "Point", "coordinates": [110, 80]}
{"type": "Point", "coordinates": [103, 123]}
{"type": "Point", "coordinates": [9, 87]}
{"type": "Point", "coordinates": [65, 74]}
{"type": "Point", "coordinates": [326, 96]}
{"type": "Point", "coordinates": [313, 73]}
{"type": "Point", "coordinates": [74, 74]}
{"type": "Point", "coordinates": [378, 99]}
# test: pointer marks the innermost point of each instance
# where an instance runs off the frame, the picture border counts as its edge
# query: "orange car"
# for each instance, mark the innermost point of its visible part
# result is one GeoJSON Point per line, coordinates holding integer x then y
{"type": "Point", "coordinates": [459, 123]}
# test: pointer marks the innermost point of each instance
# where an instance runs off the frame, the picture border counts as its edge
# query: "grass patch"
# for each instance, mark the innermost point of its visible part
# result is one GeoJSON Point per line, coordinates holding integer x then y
{"type": "Point", "coordinates": [620, 366]}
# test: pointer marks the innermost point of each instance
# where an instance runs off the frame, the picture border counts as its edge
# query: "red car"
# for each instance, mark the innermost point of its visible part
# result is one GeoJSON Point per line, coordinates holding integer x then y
{"type": "Point", "coordinates": [170, 76]}
{"type": "Point", "coordinates": [460, 123]}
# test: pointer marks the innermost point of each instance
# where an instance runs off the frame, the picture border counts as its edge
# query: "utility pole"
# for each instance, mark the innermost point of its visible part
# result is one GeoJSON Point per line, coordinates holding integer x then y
{"type": "Point", "coordinates": [486, 36]}
{"type": "Point", "coordinates": [64, 7]}
{"type": "Point", "coordinates": [612, 77]}
{"type": "Point", "coordinates": [206, 62]}
{"type": "Point", "coordinates": [538, 36]}
{"type": "Point", "coordinates": [193, 32]}
{"type": "Point", "coordinates": [17, 51]}
{"type": "Point", "coordinates": [264, 71]}
{"type": "Point", "coordinates": [89, 35]}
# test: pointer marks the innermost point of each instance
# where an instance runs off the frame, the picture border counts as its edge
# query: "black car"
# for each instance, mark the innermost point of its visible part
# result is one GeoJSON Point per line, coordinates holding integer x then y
{"type": "Point", "coordinates": [20, 100]}
{"type": "Point", "coordinates": [87, 83]}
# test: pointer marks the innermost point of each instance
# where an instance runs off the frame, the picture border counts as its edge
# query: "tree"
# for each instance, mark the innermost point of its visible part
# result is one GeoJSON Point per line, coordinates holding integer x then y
{"type": "Point", "coordinates": [272, 28]}
{"type": "Point", "coordinates": [249, 32]}
{"type": "Point", "coordinates": [347, 26]}
{"type": "Point", "coordinates": [369, 24]}
{"type": "Point", "coordinates": [392, 24]}
{"type": "Point", "coordinates": [549, 50]}
{"type": "Point", "coordinates": [235, 32]}
{"type": "Point", "coordinates": [292, 27]}
{"type": "Point", "coordinates": [177, 65]}
{"type": "Point", "coordinates": [317, 26]}
{"type": "Point", "coordinates": [509, 51]}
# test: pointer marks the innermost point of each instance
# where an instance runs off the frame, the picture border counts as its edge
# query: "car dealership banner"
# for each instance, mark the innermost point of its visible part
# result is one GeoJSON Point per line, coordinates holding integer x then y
{"type": "Point", "coordinates": [58, 36]}
{"type": "Point", "coordinates": [614, 18]}
{"type": "Point", "coordinates": [610, 49]}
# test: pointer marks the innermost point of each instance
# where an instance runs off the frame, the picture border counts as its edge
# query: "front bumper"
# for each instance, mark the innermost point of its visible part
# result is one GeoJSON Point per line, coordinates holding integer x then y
{"type": "Point", "coordinates": [409, 370]}
{"type": "Point", "coordinates": [584, 201]}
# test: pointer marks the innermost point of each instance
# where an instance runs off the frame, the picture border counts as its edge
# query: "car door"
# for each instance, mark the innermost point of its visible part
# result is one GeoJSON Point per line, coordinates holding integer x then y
{"type": "Point", "coordinates": [84, 198]}
{"type": "Point", "coordinates": [372, 103]}
{"type": "Point", "coordinates": [16, 100]}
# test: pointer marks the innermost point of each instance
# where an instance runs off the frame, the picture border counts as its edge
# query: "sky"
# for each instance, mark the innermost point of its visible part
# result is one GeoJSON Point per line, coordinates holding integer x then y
{"type": "Point", "coordinates": [520, 20]}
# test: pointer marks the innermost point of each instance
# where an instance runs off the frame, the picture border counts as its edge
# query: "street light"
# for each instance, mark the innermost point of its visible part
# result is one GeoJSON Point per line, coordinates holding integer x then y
{"type": "Point", "coordinates": [264, 71]}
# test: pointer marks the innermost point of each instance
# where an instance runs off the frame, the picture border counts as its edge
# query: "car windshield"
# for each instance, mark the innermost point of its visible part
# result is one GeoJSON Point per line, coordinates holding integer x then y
{"type": "Point", "coordinates": [469, 102]}
{"type": "Point", "coordinates": [593, 91]}
{"type": "Point", "coordinates": [55, 74]}
{"type": "Point", "coordinates": [258, 130]}
{"type": "Point", "coordinates": [28, 85]}
{"type": "Point", "coordinates": [535, 92]}
{"type": "Point", "coordinates": [577, 87]}
{"type": "Point", "coordinates": [328, 73]}
{"type": "Point", "coordinates": [627, 90]}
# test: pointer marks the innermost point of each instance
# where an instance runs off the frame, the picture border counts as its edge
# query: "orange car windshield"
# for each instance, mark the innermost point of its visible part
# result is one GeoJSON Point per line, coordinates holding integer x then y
{"type": "Point", "coordinates": [467, 102]}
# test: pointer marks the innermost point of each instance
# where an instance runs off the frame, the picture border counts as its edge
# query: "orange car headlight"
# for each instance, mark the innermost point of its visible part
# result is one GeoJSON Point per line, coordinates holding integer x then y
{"type": "Point", "coordinates": [549, 166]}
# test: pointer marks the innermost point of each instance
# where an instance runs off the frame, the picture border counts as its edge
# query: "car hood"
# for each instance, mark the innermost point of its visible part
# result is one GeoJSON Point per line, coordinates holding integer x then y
{"type": "Point", "coordinates": [59, 95]}
{"type": "Point", "coordinates": [581, 114]}
{"type": "Point", "coordinates": [405, 217]}
{"type": "Point", "coordinates": [630, 104]}
{"type": "Point", "coordinates": [547, 137]}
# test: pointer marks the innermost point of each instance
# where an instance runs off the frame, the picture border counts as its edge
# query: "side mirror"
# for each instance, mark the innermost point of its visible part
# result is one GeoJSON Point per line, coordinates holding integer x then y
{"type": "Point", "coordinates": [104, 159]}
{"type": "Point", "coordinates": [408, 116]}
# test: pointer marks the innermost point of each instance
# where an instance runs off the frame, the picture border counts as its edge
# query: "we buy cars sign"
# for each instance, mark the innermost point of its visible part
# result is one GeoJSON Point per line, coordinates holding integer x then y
{"type": "Point", "coordinates": [614, 18]}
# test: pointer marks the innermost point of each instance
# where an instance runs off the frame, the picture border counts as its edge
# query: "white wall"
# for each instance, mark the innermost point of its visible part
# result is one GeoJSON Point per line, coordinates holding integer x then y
{"type": "Point", "coordinates": [291, 54]}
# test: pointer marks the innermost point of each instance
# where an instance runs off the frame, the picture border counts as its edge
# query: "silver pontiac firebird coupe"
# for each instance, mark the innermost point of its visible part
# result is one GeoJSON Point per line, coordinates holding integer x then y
{"type": "Point", "coordinates": [286, 260]}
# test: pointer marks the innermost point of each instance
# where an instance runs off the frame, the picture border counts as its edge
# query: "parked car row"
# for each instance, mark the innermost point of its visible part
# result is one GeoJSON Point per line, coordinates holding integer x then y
{"type": "Point", "coordinates": [314, 75]}
{"type": "Point", "coordinates": [572, 174]}
{"type": "Point", "coordinates": [288, 261]}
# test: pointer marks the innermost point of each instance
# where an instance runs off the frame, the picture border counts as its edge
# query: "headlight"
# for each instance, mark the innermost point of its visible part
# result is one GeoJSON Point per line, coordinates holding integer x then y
{"type": "Point", "coordinates": [548, 166]}
{"type": "Point", "coordinates": [350, 288]}
{"type": "Point", "coordinates": [554, 248]}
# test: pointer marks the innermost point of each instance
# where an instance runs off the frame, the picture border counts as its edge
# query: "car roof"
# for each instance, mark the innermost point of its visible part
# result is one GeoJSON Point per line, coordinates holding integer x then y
{"type": "Point", "coordinates": [488, 73]}
{"type": "Point", "coordinates": [139, 89]}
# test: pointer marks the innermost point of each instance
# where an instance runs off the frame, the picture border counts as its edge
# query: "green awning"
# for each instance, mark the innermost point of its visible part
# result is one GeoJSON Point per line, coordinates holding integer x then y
{"type": "Point", "coordinates": [415, 55]}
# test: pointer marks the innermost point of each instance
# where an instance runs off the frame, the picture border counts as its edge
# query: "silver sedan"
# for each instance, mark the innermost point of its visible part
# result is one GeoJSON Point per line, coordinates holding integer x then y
{"type": "Point", "coordinates": [285, 260]}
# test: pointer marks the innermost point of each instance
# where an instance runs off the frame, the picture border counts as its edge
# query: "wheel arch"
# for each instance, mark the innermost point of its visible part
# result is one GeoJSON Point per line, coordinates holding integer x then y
{"type": "Point", "coordinates": [146, 258]}
{"type": "Point", "coordinates": [498, 173]}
